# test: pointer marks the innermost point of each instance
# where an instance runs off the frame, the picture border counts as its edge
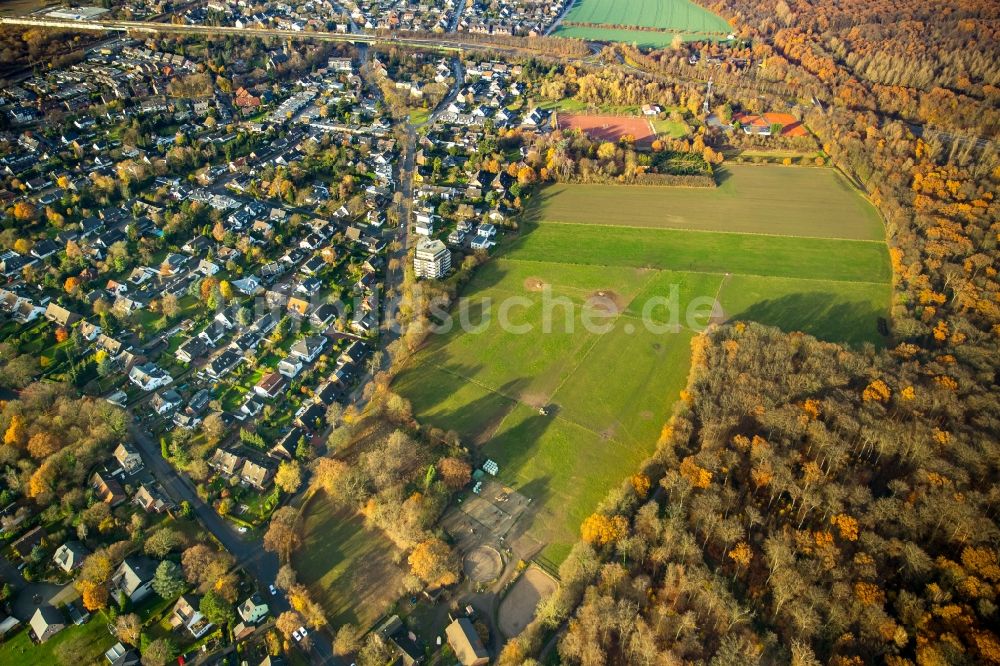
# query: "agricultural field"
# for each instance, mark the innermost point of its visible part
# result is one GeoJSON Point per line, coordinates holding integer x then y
{"type": "Point", "coordinates": [608, 388]}
{"type": "Point", "coordinates": [781, 201]}
{"type": "Point", "coordinates": [348, 567]}
{"type": "Point", "coordinates": [660, 22]}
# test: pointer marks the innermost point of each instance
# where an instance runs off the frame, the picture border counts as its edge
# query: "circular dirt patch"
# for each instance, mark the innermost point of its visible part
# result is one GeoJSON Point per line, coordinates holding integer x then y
{"type": "Point", "coordinates": [534, 284]}
{"type": "Point", "coordinates": [482, 564]}
{"type": "Point", "coordinates": [518, 608]}
{"type": "Point", "coordinates": [606, 301]}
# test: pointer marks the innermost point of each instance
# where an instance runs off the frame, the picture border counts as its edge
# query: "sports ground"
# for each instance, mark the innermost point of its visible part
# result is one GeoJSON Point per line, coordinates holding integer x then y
{"type": "Point", "coordinates": [611, 252]}
{"type": "Point", "coordinates": [609, 128]}
{"type": "Point", "coordinates": [661, 21]}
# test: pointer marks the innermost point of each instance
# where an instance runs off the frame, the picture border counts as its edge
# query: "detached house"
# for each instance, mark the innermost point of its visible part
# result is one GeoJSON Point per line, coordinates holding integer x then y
{"type": "Point", "coordinates": [225, 462]}
{"type": "Point", "coordinates": [151, 499]}
{"type": "Point", "coordinates": [257, 475]}
{"type": "Point", "coordinates": [149, 376]}
{"type": "Point", "coordinates": [60, 316]}
{"type": "Point", "coordinates": [185, 614]}
{"type": "Point", "coordinates": [128, 458]}
{"type": "Point", "coordinates": [308, 349]}
{"type": "Point", "coordinates": [107, 488]}
{"type": "Point", "coordinates": [253, 610]}
{"type": "Point", "coordinates": [134, 577]}
{"type": "Point", "coordinates": [290, 366]}
{"type": "Point", "coordinates": [46, 623]}
{"type": "Point", "coordinates": [270, 386]}
{"type": "Point", "coordinates": [166, 401]}
{"type": "Point", "coordinates": [70, 556]}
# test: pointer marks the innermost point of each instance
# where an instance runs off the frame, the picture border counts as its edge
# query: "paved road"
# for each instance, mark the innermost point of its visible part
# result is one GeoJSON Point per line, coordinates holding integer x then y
{"type": "Point", "coordinates": [559, 19]}
{"type": "Point", "coordinates": [249, 552]}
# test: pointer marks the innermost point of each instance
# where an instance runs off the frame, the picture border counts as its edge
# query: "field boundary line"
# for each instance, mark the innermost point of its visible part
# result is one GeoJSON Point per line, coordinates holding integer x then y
{"type": "Point", "coordinates": [712, 231]}
{"type": "Point", "coordinates": [516, 401]}
{"type": "Point", "coordinates": [696, 272]}
{"type": "Point", "coordinates": [597, 339]}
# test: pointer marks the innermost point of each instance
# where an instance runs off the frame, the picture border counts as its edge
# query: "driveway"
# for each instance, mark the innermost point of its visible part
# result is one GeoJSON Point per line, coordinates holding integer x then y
{"type": "Point", "coordinates": [33, 595]}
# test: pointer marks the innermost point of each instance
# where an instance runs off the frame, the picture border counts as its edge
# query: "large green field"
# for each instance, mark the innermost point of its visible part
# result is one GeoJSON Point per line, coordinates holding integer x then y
{"type": "Point", "coordinates": [582, 249]}
{"type": "Point", "coordinates": [662, 20]}
{"type": "Point", "coordinates": [789, 201]}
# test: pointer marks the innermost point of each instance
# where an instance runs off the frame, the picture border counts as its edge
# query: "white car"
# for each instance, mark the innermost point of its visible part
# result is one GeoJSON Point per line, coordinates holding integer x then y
{"type": "Point", "coordinates": [273, 590]}
{"type": "Point", "coordinates": [296, 635]}
{"type": "Point", "coordinates": [302, 633]}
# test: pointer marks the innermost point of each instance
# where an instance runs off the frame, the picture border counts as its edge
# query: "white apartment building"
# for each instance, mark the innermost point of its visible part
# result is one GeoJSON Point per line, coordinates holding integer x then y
{"type": "Point", "coordinates": [432, 259]}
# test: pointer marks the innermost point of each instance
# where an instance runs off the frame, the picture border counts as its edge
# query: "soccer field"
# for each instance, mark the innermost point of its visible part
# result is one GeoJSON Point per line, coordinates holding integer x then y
{"type": "Point", "coordinates": [609, 391]}
{"type": "Point", "coordinates": [662, 20]}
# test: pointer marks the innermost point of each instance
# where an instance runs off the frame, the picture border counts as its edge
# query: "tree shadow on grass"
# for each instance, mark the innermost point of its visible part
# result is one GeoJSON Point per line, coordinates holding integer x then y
{"type": "Point", "coordinates": [484, 414]}
{"type": "Point", "coordinates": [820, 314]}
{"type": "Point", "coordinates": [722, 174]}
{"type": "Point", "coordinates": [513, 449]}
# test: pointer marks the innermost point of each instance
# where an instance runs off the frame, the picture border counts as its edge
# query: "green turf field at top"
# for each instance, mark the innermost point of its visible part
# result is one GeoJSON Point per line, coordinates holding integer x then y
{"type": "Point", "coordinates": [660, 21]}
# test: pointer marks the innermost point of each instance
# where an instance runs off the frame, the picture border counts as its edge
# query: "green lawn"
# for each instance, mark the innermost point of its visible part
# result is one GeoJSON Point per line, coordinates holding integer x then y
{"type": "Point", "coordinates": [678, 15]}
{"type": "Point", "coordinates": [348, 567]}
{"type": "Point", "coordinates": [838, 311]}
{"type": "Point", "coordinates": [750, 199]}
{"type": "Point", "coordinates": [672, 128]}
{"type": "Point", "coordinates": [610, 390]}
{"type": "Point", "coordinates": [95, 639]}
{"type": "Point", "coordinates": [488, 386]}
{"type": "Point", "coordinates": [706, 252]}
{"type": "Point", "coordinates": [669, 18]}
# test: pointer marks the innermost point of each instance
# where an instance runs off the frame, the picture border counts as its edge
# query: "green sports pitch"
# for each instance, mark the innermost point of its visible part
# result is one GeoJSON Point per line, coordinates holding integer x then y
{"type": "Point", "coordinates": [815, 262]}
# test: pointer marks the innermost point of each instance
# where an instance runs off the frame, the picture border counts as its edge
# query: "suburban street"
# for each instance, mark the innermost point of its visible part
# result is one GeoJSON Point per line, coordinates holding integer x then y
{"type": "Point", "coordinates": [260, 564]}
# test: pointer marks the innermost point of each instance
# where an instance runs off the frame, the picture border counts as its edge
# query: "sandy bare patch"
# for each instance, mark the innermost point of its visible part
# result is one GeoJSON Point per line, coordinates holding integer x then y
{"type": "Point", "coordinates": [482, 564]}
{"type": "Point", "coordinates": [518, 608]}
{"type": "Point", "coordinates": [534, 284]}
{"type": "Point", "coordinates": [646, 415]}
{"type": "Point", "coordinates": [606, 301]}
{"type": "Point", "coordinates": [535, 400]}
{"type": "Point", "coordinates": [718, 315]}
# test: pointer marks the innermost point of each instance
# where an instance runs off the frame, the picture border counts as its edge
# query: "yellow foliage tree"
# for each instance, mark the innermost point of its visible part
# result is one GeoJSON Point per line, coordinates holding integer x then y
{"type": "Point", "coordinates": [878, 391]}
{"type": "Point", "coordinates": [432, 561]}
{"type": "Point", "coordinates": [95, 595]}
{"type": "Point", "coordinates": [696, 476]}
{"type": "Point", "coordinates": [599, 529]}
{"type": "Point", "coordinates": [741, 554]}
{"type": "Point", "coordinates": [641, 484]}
{"type": "Point", "coordinates": [41, 481]}
{"type": "Point", "coordinates": [15, 432]}
{"type": "Point", "coordinates": [869, 594]}
{"type": "Point", "coordinates": [846, 525]}
{"type": "Point", "coordinates": [23, 211]}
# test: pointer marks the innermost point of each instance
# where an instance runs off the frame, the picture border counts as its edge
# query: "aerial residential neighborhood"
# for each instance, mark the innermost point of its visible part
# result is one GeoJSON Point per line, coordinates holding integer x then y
{"type": "Point", "coordinates": [498, 331]}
